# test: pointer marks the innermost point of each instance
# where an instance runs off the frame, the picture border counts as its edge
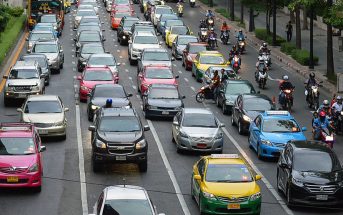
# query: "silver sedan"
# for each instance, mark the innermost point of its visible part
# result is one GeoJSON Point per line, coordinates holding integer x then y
{"type": "Point", "coordinates": [197, 129]}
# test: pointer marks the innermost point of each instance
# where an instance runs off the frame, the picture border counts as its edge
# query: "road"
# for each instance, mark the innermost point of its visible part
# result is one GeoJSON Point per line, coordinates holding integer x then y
{"type": "Point", "coordinates": [168, 171]}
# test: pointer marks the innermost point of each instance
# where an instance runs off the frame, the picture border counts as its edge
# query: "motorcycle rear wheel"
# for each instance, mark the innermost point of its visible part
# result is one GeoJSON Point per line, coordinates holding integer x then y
{"type": "Point", "coordinates": [200, 97]}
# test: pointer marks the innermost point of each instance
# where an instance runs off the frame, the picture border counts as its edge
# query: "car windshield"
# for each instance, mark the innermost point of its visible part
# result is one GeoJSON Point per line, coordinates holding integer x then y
{"type": "Point", "coordinates": [159, 74]}
{"type": "Point", "coordinates": [109, 92]}
{"type": "Point", "coordinates": [92, 49]}
{"type": "Point", "coordinates": [41, 61]}
{"type": "Point", "coordinates": [173, 22]}
{"type": "Point", "coordinates": [48, 19]}
{"type": "Point", "coordinates": [145, 29]}
{"type": "Point", "coordinates": [44, 28]}
{"type": "Point", "coordinates": [280, 125]}
{"type": "Point", "coordinates": [122, 2]}
{"type": "Point", "coordinates": [23, 74]}
{"type": "Point", "coordinates": [195, 49]}
{"type": "Point", "coordinates": [127, 207]}
{"type": "Point", "coordinates": [89, 37]}
{"type": "Point", "coordinates": [199, 120]}
{"type": "Point", "coordinates": [253, 104]}
{"type": "Point", "coordinates": [89, 28]}
{"type": "Point", "coordinates": [227, 71]}
{"type": "Point", "coordinates": [228, 173]}
{"type": "Point", "coordinates": [45, 48]}
{"type": "Point", "coordinates": [146, 40]}
{"type": "Point", "coordinates": [91, 3]}
{"type": "Point", "coordinates": [46, 36]}
{"type": "Point", "coordinates": [156, 56]}
{"type": "Point", "coordinates": [43, 107]}
{"type": "Point", "coordinates": [122, 14]}
{"type": "Point", "coordinates": [86, 13]}
{"type": "Point", "coordinates": [90, 20]}
{"type": "Point", "coordinates": [212, 59]}
{"type": "Point", "coordinates": [238, 88]}
{"type": "Point", "coordinates": [315, 161]}
{"type": "Point", "coordinates": [179, 30]}
{"type": "Point", "coordinates": [109, 61]}
{"type": "Point", "coordinates": [163, 10]}
{"type": "Point", "coordinates": [17, 146]}
{"type": "Point", "coordinates": [98, 75]}
{"type": "Point", "coordinates": [166, 17]}
{"type": "Point", "coordinates": [186, 40]}
{"type": "Point", "coordinates": [163, 93]}
{"type": "Point", "coordinates": [119, 124]}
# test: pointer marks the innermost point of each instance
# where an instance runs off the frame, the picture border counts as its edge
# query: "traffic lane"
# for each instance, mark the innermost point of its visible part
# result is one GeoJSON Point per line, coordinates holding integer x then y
{"type": "Point", "coordinates": [60, 174]}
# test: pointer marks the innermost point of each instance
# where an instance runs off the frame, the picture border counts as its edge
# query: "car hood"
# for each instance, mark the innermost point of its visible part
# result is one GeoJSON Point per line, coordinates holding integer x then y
{"type": "Point", "coordinates": [319, 178]}
{"type": "Point", "coordinates": [171, 37]}
{"type": "Point", "coordinates": [160, 81]}
{"type": "Point", "coordinates": [51, 56]}
{"type": "Point", "coordinates": [200, 132]}
{"type": "Point", "coordinates": [162, 62]}
{"type": "Point", "coordinates": [18, 160]}
{"type": "Point", "coordinates": [91, 84]}
{"type": "Point", "coordinates": [283, 137]}
{"type": "Point", "coordinates": [116, 102]}
{"type": "Point", "coordinates": [23, 82]}
{"type": "Point", "coordinates": [252, 114]}
{"type": "Point", "coordinates": [126, 137]}
{"type": "Point", "coordinates": [231, 189]}
{"type": "Point", "coordinates": [167, 103]}
{"type": "Point", "coordinates": [204, 67]}
{"type": "Point", "coordinates": [231, 98]}
{"type": "Point", "coordinates": [144, 46]}
{"type": "Point", "coordinates": [85, 56]}
{"type": "Point", "coordinates": [43, 117]}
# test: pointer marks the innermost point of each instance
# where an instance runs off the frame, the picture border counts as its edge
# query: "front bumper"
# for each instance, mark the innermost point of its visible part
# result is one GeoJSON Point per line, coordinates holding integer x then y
{"type": "Point", "coordinates": [129, 158]}
{"type": "Point", "coordinates": [215, 145]}
{"type": "Point", "coordinates": [54, 64]}
{"type": "Point", "coordinates": [84, 94]}
{"type": "Point", "coordinates": [24, 180]}
{"type": "Point", "coordinates": [20, 95]}
{"type": "Point", "coordinates": [161, 112]}
{"type": "Point", "coordinates": [270, 151]}
{"type": "Point", "coordinates": [53, 131]}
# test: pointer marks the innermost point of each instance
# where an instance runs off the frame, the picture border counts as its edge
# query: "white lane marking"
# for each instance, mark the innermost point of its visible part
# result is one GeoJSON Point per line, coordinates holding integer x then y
{"type": "Point", "coordinates": [264, 179]}
{"type": "Point", "coordinates": [115, 44]}
{"type": "Point", "coordinates": [124, 63]}
{"type": "Point", "coordinates": [193, 88]}
{"type": "Point", "coordinates": [174, 64]}
{"type": "Point", "coordinates": [81, 163]}
{"type": "Point", "coordinates": [74, 69]}
{"type": "Point", "coordinates": [73, 62]}
{"type": "Point", "coordinates": [120, 57]}
{"type": "Point", "coordinates": [179, 71]}
{"type": "Point", "coordinates": [114, 40]}
{"type": "Point", "coordinates": [138, 96]}
{"type": "Point", "coordinates": [126, 70]}
{"type": "Point", "coordinates": [118, 50]}
{"type": "Point", "coordinates": [186, 79]}
{"type": "Point", "coordinates": [72, 55]}
{"type": "Point", "coordinates": [134, 87]}
{"type": "Point", "coordinates": [169, 170]}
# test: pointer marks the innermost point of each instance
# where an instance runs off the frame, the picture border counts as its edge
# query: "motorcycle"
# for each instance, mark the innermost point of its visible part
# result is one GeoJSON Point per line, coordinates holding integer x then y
{"type": "Point", "coordinates": [225, 37]}
{"type": "Point", "coordinates": [267, 60]}
{"type": "Point", "coordinates": [261, 78]}
{"type": "Point", "coordinates": [192, 3]}
{"type": "Point", "coordinates": [337, 118]}
{"type": "Point", "coordinates": [236, 64]}
{"type": "Point", "coordinates": [327, 136]}
{"type": "Point", "coordinates": [205, 93]}
{"type": "Point", "coordinates": [313, 97]}
{"type": "Point", "coordinates": [241, 45]}
{"type": "Point", "coordinates": [211, 42]}
{"type": "Point", "coordinates": [210, 22]}
{"type": "Point", "coordinates": [203, 34]}
{"type": "Point", "coordinates": [288, 99]}
{"type": "Point", "coordinates": [180, 10]}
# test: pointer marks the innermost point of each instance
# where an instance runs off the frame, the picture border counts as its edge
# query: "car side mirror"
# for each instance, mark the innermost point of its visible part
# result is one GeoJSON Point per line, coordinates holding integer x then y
{"type": "Point", "coordinates": [74, 29]}
{"type": "Point", "coordinates": [146, 128]}
{"type": "Point", "coordinates": [258, 177]}
{"type": "Point", "coordinates": [129, 95]}
{"type": "Point", "coordinates": [138, 57]}
{"type": "Point", "coordinates": [42, 148]}
{"type": "Point", "coordinates": [183, 97]}
{"type": "Point", "coordinates": [91, 128]}
{"type": "Point", "coordinates": [197, 177]}
{"type": "Point", "coordinates": [79, 77]}
{"type": "Point", "coordinates": [19, 110]}
{"type": "Point", "coordinates": [176, 76]}
{"type": "Point", "coordinates": [104, 39]}
{"type": "Point", "coordinates": [102, 23]}
{"type": "Point", "coordinates": [222, 125]}
{"type": "Point", "coordinates": [66, 109]}
{"type": "Point", "coordinates": [303, 129]}
{"type": "Point", "coordinates": [176, 123]}
{"type": "Point", "coordinates": [173, 59]}
{"type": "Point", "coordinates": [5, 76]}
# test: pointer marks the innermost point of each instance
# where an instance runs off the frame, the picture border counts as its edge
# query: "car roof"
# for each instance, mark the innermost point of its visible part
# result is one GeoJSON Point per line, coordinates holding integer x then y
{"type": "Point", "coordinates": [40, 41]}
{"type": "Point", "coordinates": [16, 129]}
{"type": "Point", "coordinates": [163, 6]}
{"type": "Point", "coordinates": [34, 55]}
{"type": "Point", "coordinates": [178, 26]}
{"type": "Point", "coordinates": [96, 68]}
{"type": "Point", "coordinates": [255, 96]}
{"type": "Point", "coordinates": [238, 82]}
{"type": "Point", "coordinates": [226, 67]}
{"type": "Point", "coordinates": [197, 44]}
{"type": "Point", "coordinates": [197, 110]}
{"type": "Point", "coordinates": [101, 55]}
{"type": "Point", "coordinates": [92, 44]}
{"type": "Point", "coordinates": [130, 18]}
{"type": "Point", "coordinates": [49, 15]}
{"type": "Point", "coordinates": [210, 53]}
{"type": "Point", "coordinates": [224, 159]}
{"type": "Point", "coordinates": [145, 33]}
{"type": "Point", "coordinates": [125, 192]}
{"type": "Point", "coordinates": [106, 86]}
{"type": "Point", "coordinates": [155, 50]}
{"type": "Point", "coordinates": [163, 86]}
{"type": "Point", "coordinates": [310, 145]}
{"type": "Point", "coordinates": [42, 97]}
{"type": "Point", "coordinates": [143, 23]}
{"type": "Point", "coordinates": [25, 64]}
{"type": "Point", "coordinates": [89, 32]}
{"type": "Point", "coordinates": [275, 114]}
{"type": "Point", "coordinates": [41, 32]}
{"type": "Point", "coordinates": [117, 112]}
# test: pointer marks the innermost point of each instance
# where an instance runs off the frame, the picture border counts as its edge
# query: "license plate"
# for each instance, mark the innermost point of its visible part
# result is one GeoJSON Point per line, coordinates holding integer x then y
{"type": "Point", "coordinates": [201, 145]}
{"type": "Point", "coordinates": [42, 131]}
{"type": "Point", "coordinates": [322, 197]}
{"type": "Point", "coordinates": [121, 158]}
{"type": "Point", "coordinates": [21, 95]}
{"type": "Point", "coordinates": [234, 206]}
{"type": "Point", "coordinates": [12, 179]}
{"type": "Point", "coordinates": [165, 112]}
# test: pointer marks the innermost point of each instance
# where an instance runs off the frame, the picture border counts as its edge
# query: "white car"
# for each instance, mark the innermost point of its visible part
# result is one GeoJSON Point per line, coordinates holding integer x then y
{"type": "Point", "coordinates": [80, 13]}
{"type": "Point", "coordinates": [158, 11]}
{"type": "Point", "coordinates": [140, 41]}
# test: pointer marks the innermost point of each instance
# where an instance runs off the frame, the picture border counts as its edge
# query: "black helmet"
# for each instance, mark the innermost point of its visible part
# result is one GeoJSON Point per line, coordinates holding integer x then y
{"type": "Point", "coordinates": [312, 75]}
{"type": "Point", "coordinates": [240, 31]}
{"type": "Point", "coordinates": [224, 23]}
{"type": "Point", "coordinates": [234, 47]}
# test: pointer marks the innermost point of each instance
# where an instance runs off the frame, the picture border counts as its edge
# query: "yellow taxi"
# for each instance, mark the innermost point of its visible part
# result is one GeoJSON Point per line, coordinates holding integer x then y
{"type": "Point", "coordinates": [225, 184]}
{"type": "Point", "coordinates": [174, 31]}
{"type": "Point", "coordinates": [204, 60]}
{"type": "Point", "coordinates": [67, 6]}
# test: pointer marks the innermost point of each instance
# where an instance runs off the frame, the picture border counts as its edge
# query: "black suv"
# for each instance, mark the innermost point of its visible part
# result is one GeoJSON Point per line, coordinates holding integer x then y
{"type": "Point", "coordinates": [310, 173]}
{"type": "Point", "coordinates": [118, 137]}
{"type": "Point", "coordinates": [124, 29]}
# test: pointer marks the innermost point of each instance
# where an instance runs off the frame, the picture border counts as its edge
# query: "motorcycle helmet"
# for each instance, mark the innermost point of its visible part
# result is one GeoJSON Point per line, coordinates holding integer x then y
{"type": "Point", "coordinates": [108, 103]}
{"type": "Point", "coordinates": [240, 31]}
{"type": "Point", "coordinates": [285, 78]}
{"type": "Point", "coordinates": [339, 99]}
{"type": "Point", "coordinates": [234, 47]}
{"type": "Point", "coordinates": [224, 23]}
{"type": "Point", "coordinates": [264, 45]}
{"type": "Point", "coordinates": [312, 75]}
{"type": "Point", "coordinates": [322, 115]}
{"type": "Point", "coordinates": [326, 103]}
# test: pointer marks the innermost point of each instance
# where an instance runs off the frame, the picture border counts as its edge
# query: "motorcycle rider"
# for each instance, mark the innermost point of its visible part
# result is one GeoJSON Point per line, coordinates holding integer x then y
{"type": "Point", "coordinates": [108, 103]}
{"type": "Point", "coordinates": [337, 106]}
{"type": "Point", "coordinates": [215, 83]}
{"type": "Point", "coordinates": [202, 24]}
{"type": "Point", "coordinates": [179, 4]}
{"type": "Point", "coordinates": [260, 61]}
{"type": "Point", "coordinates": [212, 34]}
{"type": "Point", "coordinates": [264, 48]}
{"type": "Point", "coordinates": [325, 106]}
{"type": "Point", "coordinates": [320, 123]}
{"type": "Point", "coordinates": [240, 35]}
{"type": "Point", "coordinates": [225, 27]}
{"type": "Point", "coordinates": [309, 83]}
{"type": "Point", "coordinates": [233, 52]}
{"type": "Point", "coordinates": [209, 14]}
{"type": "Point", "coordinates": [284, 84]}
{"type": "Point", "coordinates": [224, 76]}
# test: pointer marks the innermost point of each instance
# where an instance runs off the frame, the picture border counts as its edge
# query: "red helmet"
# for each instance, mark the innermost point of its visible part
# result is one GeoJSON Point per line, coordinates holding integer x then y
{"type": "Point", "coordinates": [322, 114]}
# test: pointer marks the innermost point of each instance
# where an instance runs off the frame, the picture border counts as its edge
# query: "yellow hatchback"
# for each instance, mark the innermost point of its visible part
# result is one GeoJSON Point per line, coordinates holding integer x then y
{"type": "Point", "coordinates": [224, 184]}
{"type": "Point", "coordinates": [174, 31]}
{"type": "Point", "coordinates": [204, 60]}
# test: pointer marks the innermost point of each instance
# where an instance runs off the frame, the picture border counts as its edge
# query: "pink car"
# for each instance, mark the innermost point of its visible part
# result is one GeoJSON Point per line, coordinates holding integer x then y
{"type": "Point", "coordinates": [20, 156]}
{"type": "Point", "coordinates": [155, 75]}
{"type": "Point", "coordinates": [95, 75]}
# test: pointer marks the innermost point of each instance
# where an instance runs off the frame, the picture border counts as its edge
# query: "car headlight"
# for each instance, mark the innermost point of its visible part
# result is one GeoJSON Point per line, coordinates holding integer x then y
{"type": "Point", "coordinates": [246, 118]}
{"type": "Point", "coordinates": [219, 136]}
{"type": "Point", "coordinates": [124, 37]}
{"type": "Point", "coordinates": [34, 168]}
{"type": "Point", "coordinates": [61, 123]}
{"type": "Point", "coordinates": [255, 196]}
{"type": "Point", "coordinates": [297, 182]}
{"type": "Point", "coordinates": [100, 144]}
{"type": "Point", "coordinates": [208, 195]}
{"type": "Point", "coordinates": [84, 88]}
{"type": "Point", "coordinates": [53, 60]}
{"type": "Point", "coordinates": [266, 142]}
{"type": "Point", "coordinates": [94, 107]}
{"type": "Point", "coordinates": [141, 144]}
{"type": "Point", "coordinates": [35, 88]}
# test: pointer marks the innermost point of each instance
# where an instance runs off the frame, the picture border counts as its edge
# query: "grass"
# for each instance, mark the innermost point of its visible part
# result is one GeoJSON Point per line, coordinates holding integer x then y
{"type": "Point", "coordinates": [10, 35]}
{"type": "Point", "coordinates": [207, 2]}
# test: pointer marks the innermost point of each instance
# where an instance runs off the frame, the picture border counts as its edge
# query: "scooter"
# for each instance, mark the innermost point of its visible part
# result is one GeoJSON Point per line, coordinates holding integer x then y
{"type": "Point", "coordinates": [212, 42]}
{"type": "Point", "coordinates": [225, 37]}
{"type": "Point", "coordinates": [337, 118]}
{"type": "Point", "coordinates": [210, 22]}
{"type": "Point", "coordinates": [327, 136]}
{"type": "Point", "coordinates": [288, 99]}
{"type": "Point", "coordinates": [180, 10]}
{"type": "Point", "coordinates": [192, 3]}
{"type": "Point", "coordinates": [267, 60]}
{"type": "Point", "coordinates": [203, 34]}
{"type": "Point", "coordinates": [235, 64]}
{"type": "Point", "coordinates": [241, 45]}
{"type": "Point", "coordinates": [205, 93]}
{"type": "Point", "coordinates": [261, 78]}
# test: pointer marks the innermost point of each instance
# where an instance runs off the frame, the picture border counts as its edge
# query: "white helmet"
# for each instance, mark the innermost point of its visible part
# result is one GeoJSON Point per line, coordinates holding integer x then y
{"type": "Point", "coordinates": [285, 78]}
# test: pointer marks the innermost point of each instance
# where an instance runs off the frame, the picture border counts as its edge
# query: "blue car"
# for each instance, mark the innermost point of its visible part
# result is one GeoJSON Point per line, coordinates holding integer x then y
{"type": "Point", "coordinates": [270, 132]}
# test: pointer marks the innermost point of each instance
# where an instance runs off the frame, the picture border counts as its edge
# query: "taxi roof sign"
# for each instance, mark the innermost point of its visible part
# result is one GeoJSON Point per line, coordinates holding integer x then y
{"type": "Point", "coordinates": [277, 112]}
{"type": "Point", "coordinates": [232, 156]}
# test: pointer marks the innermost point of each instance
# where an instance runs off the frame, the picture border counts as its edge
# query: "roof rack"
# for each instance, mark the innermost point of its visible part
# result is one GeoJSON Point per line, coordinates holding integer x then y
{"type": "Point", "coordinates": [277, 112]}
{"type": "Point", "coordinates": [15, 126]}
{"type": "Point", "coordinates": [230, 156]}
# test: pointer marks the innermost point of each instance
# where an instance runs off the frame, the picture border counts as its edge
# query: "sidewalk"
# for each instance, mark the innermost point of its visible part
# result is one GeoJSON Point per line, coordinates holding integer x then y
{"type": "Point", "coordinates": [318, 33]}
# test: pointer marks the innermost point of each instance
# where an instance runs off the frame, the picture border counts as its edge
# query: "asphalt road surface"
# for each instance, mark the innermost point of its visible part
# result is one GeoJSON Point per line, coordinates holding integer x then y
{"type": "Point", "coordinates": [168, 178]}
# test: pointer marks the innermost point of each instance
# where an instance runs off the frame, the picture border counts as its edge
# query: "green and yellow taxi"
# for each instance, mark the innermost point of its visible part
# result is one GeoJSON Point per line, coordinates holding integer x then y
{"type": "Point", "coordinates": [67, 6]}
{"type": "Point", "coordinates": [224, 184]}
{"type": "Point", "coordinates": [204, 60]}
{"type": "Point", "coordinates": [174, 31]}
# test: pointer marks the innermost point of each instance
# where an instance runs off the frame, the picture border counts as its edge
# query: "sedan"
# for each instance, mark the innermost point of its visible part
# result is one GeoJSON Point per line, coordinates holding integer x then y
{"type": "Point", "coordinates": [46, 27]}
{"type": "Point", "coordinates": [197, 129]}
{"type": "Point", "coordinates": [180, 43]}
{"type": "Point", "coordinates": [174, 31]}
{"type": "Point", "coordinates": [190, 52]}
{"type": "Point", "coordinates": [85, 51]}
{"type": "Point", "coordinates": [88, 37]}
{"type": "Point", "coordinates": [80, 13]}
{"type": "Point", "coordinates": [90, 26]}
{"type": "Point", "coordinates": [158, 11]}
{"type": "Point", "coordinates": [154, 56]}
{"type": "Point", "coordinates": [47, 113]}
{"type": "Point", "coordinates": [228, 71]}
{"type": "Point", "coordinates": [168, 24]}
{"type": "Point", "coordinates": [104, 60]}
{"type": "Point", "coordinates": [54, 20]}
{"type": "Point", "coordinates": [90, 19]}
{"type": "Point", "coordinates": [93, 76]}
{"type": "Point", "coordinates": [36, 35]}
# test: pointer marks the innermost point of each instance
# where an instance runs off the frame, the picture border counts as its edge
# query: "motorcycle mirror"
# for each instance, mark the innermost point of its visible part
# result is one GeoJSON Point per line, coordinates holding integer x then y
{"type": "Point", "coordinates": [303, 129]}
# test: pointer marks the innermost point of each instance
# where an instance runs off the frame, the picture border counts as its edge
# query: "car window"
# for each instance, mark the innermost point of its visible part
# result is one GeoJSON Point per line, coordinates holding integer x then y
{"type": "Point", "coordinates": [119, 124]}
{"type": "Point", "coordinates": [23, 74]}
{"type": "Point", "coordinates": [238, 88]}
{"type": "Point", "coordinates": [92, 50]}
{"type": "Point", "coordinates": [193, 49]}
{"type": "Point", "coordinates": [110, 61]}
{"type": "Point", "coordinates": [159, 74]}
{"type": "Point", "coordinates": [201, 167]}
{"type": "Point", "coordinates": [212, 59]}
{"type": "Point", "coordinates": [180, 30]}
{"type": "Point", "coordinates": [86, 13]}
{"type": "Point", "coordinates": [98, 75]}
{"type": "Point", "coordinates": [127, 207]}
{"type": "Point", "coordinates": [280, 125]}
{"type": "Point", "coordinates": [253, 104]}
{"type": "Point", "coordinates": [199, 120]}
{"type": "Point", "coordinates": [46, 36]}
{"type": "Point", "coordinates": [33, 107]}
{"type": "Point", "coordinates": [163, 93]}
{"type": "Point", "coordinates": [146, 40]}
{"type": "Point", "coordinates": [163, 10]}
{"type": "Point", "coordinates": [99, 203]}
{"type": "Point", "coordinates": [109, 92]}
{"type": "Point", "coordinates": [186, 40]}
{"type": "Point", "coordinates": [48, 19]}
{"type": "Point", "coordinates": [45, 48]}
{"type": "Point", "coordinates": [87, 37]}
{"type": "Point", "coordinates": [315, 160]}
{"type": "Point", "coordinates": [228, 173]}
{"type": "Point", "coordinates": [156, 56]}
{"type": "Point", "coordinates": [258, 122]}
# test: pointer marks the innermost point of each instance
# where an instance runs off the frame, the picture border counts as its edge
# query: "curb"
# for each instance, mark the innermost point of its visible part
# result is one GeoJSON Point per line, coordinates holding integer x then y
{"type": "Point", "coordinates": [280, 56]}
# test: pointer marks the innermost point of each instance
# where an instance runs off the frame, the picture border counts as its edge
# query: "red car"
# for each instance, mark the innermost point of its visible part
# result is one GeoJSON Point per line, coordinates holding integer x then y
{"type": "Point", "coordinates": [190, 52]}
{"type": "Point", "coordinates": [117, 15]}
{"type": "Point", "coordinates": [155, 75]}
{"type": "Point", "coordinates": [122, 7]}
{"type": "Point", "coordinates": [20, 156]}
{"type": "Point", "coordinates": [95, 75]}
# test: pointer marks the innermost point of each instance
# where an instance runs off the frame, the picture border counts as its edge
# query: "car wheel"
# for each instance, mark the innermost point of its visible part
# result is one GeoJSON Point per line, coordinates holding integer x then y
{"type": "Point", "coordinates": [90, 116]}
{"type": "Point", "coordinates": [143, 167]}
{"type": "Point", "coordinates": [183, 63]}
{"type": "Point", "coordinates": [173, 139]}
{"type": "Point", "coordinates": [289, 200]}
{"type": "Point", "coordinates": [232, 121]}
{"type": "Point", "coordinates": [259, 155]}
{"type": "Point", "coordinates": [132, 62]}
{"type": "Point", "coordinates": [224, 110]}
{"type": "Point", "coordinates": [192, 192]}
{"type": "Point", "coordinates": [240, 128]}
{"type": "Point", "coordinates": [58, 71]}
{"type": "Point", "coordinates": [178, 150]}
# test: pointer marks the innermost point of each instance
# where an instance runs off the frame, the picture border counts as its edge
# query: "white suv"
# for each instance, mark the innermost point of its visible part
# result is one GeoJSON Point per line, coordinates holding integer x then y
{"type": "Point", "coordinates": [158, 11]}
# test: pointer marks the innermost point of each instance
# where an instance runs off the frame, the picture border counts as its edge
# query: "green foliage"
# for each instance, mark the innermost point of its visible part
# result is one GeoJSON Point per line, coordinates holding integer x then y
{"type": "Point", "coordinates": [303, 57]}
{"type": "Point", "coordinates": [223, 12]}
{"type": "Point", "coordinates": [207, 2]}
{"type": "Point", "coordinates": [6, 13]}
{"type": "Point", "coordinates": [263, 35]}
{"type": "Point", "coordinates": [335, 15]}
{"type": "Point", "coordinates": [16, 11]}
{"type": "Point", "coordinates": [287, 47]}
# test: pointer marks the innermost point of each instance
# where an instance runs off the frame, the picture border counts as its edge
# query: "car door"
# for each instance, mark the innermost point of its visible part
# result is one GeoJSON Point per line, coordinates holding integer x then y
{"type": "Point", "coordinates": [140, 78]}
{"type": "Point", "coordinates": [98, 205]}
{"type": "Point", "coordinates": [174, 45]}
{"type": "Point", "coordinates": [176, 127]}
{"type": "Point", "coordinates": [235, 109]}
{"type": "Point", "coordinates": [198, 170]}
{"type": "Point", "coordinates": [281, 170]}
{"type": "Point", "coordinates": [255, 131]}
{"type": "Point", "coordinates": [221, 95]}
{"type": "Point", "coordinates": [185, 52]}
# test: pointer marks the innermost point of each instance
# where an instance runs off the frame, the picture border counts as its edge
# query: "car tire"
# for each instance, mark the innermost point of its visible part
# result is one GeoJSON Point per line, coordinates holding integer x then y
{"type": "Point", "coordinates": [132, 62]}
{"type": "Point", "coordinates": [277, 182]}
{"type": "Point", "coordinates": [37, 189]}
{"type": "Point", "coordinates": [232, 121]}
{"type": "Point", "coordinates": [259, 156]}
{"type": "Point", "coordinates": [240, 128]}
{"type": "Point", "coordinates": [90, 118]}
{"type": "Point", "coordinates": [7, 102]}
{"type": "Point", "coordinates": [173, 139]}
{"type": "Point", "coordinates": [224, 110]}
{"type": "Point", "coordinates": [192, 195]}
{"type": "Point", "coordinates": [58, 71]}
{"type": "Point", "coordinates": [289, 200]}
{"type": "Point", "coordinates": [143, 167]}
{"type": "Point", "coordinates": [178, 150]}
{"type": "Point", "coordinates": [183, 63]}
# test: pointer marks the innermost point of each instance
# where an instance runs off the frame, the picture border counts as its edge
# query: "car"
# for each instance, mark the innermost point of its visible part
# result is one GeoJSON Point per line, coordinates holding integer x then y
{"type": "Point", "coordinates": [117, 17]}
{"type": "Point", "coordinates": [90, 2]}
{"type": "Point", "coordinates": [25, 78]}
{"type": "Point", "coordinates": [229, 72]}
{"type": "Point", "coordinates": [229, 91]}
{"type": "Point", "coordinates": [21, 159]}
{"type": "Point", "coordinates": [88, 37]}
{"type": "Point", "coordinates": [197, 129]}
{"type": "Point", "coordinates": [90, 19]}
{"type": "Point", "coordinates": [168, 23]}
{"type": "Point", "coordinates": [101, 92]}
{"type": "Point", "coordinates": [158, 10]}
{"type": "Point", "coordinates": [124, 199]}
{"type": "Point", "coordinates": [46, 27]}
{"type": "Point", "coordinates": [124, 28]}
{"type": "Point", "coordinates": [89, 26]}
{"type": "Point", "coordinates": [142, 26]}
{"type": "Point", "coordinates": [54, 20]}
{"type": "Point", "coordinates": [224, 183]}
{"type": "Point", "coordinates": [163, 18]}
{"type": "Point", "coordinates": [122, 7]}
{"type": "Point", "coordinates": [117, 3]}
{"type": "Point", "coordinates": [85, 51]}
{"type": "Point", "coordinates": [104, 60]}
{"type": "Point", "coordinates": [162, 100]}
{"type": "Point", "coordinates": [270, 131]}
{"type": "Point", "coordinates": [174, 31]}
{"type": "Point", "coordinates": [117, 136]}
{"type": "Point", "coordinates": [53, 51]}
{"type": "Point", "coordinates": [205, 59]}
{"type": "Point", "coordinates": [47, 113]}
{"type": "Point", "coordinates": [79, 14]}
{"type": "Point", "coordinates": [92, 76]}
{"type": "Point", "coordinates": [157, 74]}
{"type": "Point", "coordinates": [67, 6]}
{"type": "Point", "coordinates": [154, 56]}
{"type": "Point", "coordinates": [190, 52]}
{"type": "Point", "coordinates": [247, 107]}
{"type": "Point", "coordinates": [180, 43]}
{"type": "Point", "coordinates": [43, 63]}
{"type": "Point", "coordinates": [36, 35]}
{"type": "Point", "coordinates": [140, 41]}
{"type": "Point", "coordinates": [86, 6]}
{"type": "Point", "coordinates": [309, 173]}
